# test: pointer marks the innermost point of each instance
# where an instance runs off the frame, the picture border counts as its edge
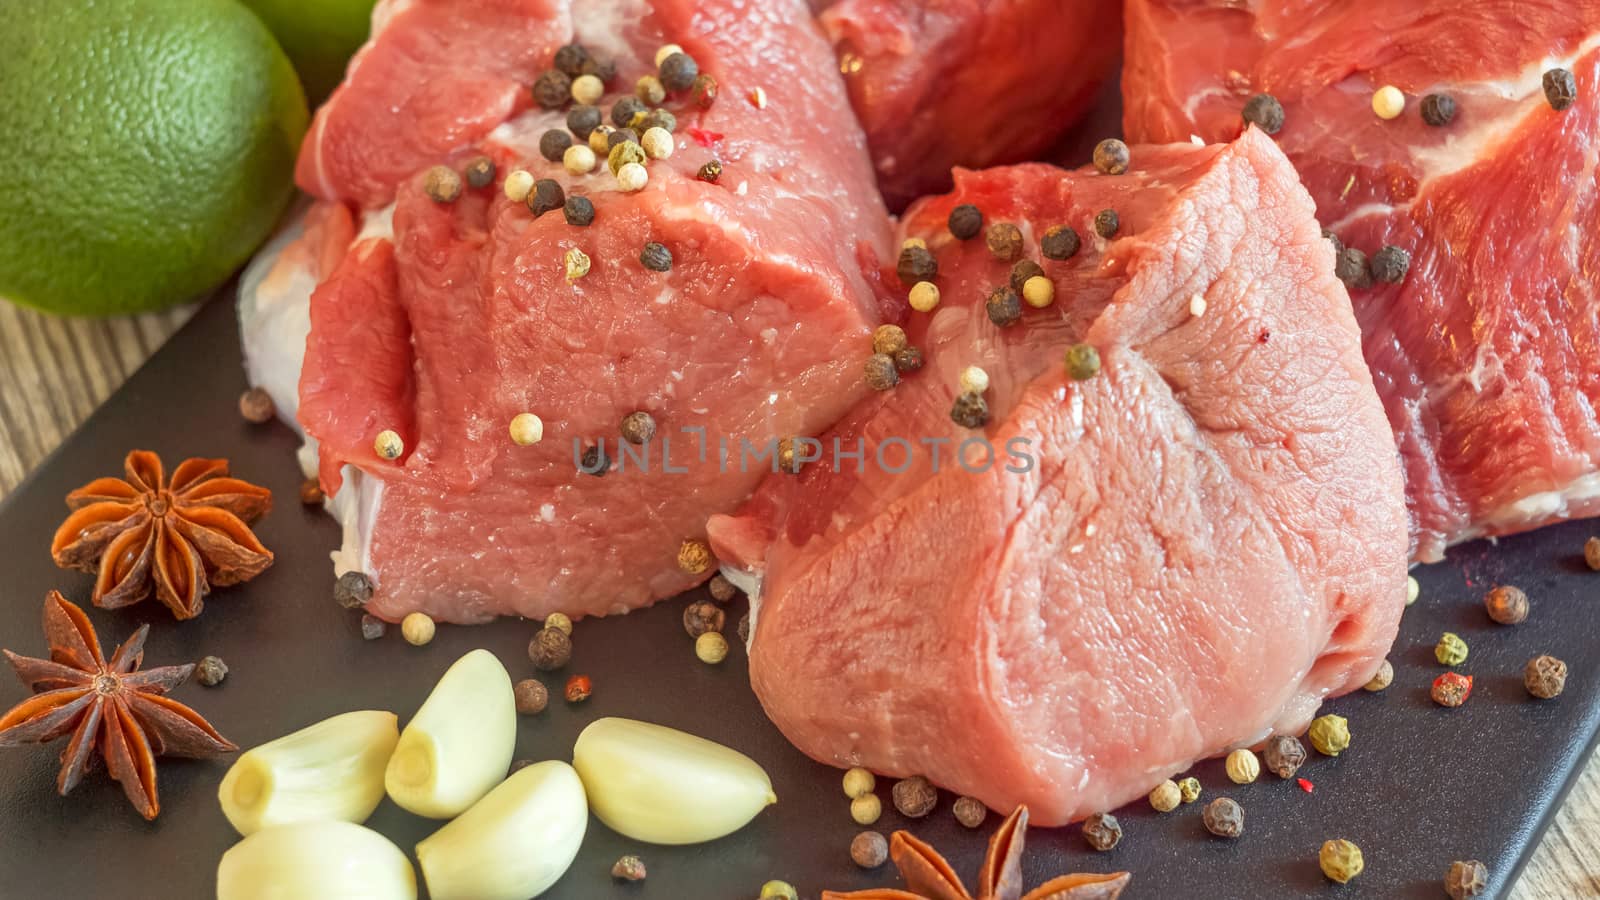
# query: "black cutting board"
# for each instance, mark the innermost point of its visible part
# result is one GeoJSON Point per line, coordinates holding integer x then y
{"type": "Point", "coordinates": [1420, 786]}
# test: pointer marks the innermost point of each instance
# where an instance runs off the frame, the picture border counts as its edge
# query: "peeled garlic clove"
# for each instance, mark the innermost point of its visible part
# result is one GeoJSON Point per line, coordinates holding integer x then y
{"type": "Point", "coordinates": [332, 770]}
{"type": "Point", "coordinates": [663, 786]}
{"type": "Point", "coordinates": [315, 859]}
{"type": "Point", "coordinates": [459, 744]}
{"type": "Point", "coordinates": [512, 844]}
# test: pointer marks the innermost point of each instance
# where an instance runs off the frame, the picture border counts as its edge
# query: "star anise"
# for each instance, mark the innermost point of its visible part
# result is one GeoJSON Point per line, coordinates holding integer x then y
{"type": "Point", "coordinates": [929, 877]}
{"type": "Point", "coordinates": [177, 538]}
{"type": "Point", "coordinates": [106, 706]}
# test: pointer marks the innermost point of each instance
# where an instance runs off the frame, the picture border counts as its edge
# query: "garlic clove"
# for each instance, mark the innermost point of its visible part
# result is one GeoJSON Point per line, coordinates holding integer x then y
{"type": "Point", "coordinates": [663, 786]}
{"type": "Point", "coordinates": [459, 744]}
{"type": "Point", "coordinates": [514, 843]}
{"type": "Point", "coordinates": [332, 770]}
{"type": "Point", "coordinates": [315, 859]}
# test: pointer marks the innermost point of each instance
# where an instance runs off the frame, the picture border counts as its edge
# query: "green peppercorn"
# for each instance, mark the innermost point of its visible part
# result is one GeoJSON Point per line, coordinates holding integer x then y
{"type": "Point", "coordinates": [623, 153]}
{"type": "Point", "coordinates": [1330, 734]}
{"type": "Point", "coordinates": [711, 171]}
{"type": "Point", "coordinates": [1451, 649]}
{"type": "Point", "coordinates": [1265, 112]}
{"type": "Point", "coordinates": [970, 410]}
{"type": "Point", "coordinates": [965, 222]}
{"type": "Point", "coordinates": [1004, 306]}
{"type": "Point", "coordinates": [916, 264]}
{"type": "Point", "coordinates": [1022, 271]}
{"type": "Point", "coordinates": [704, 91]}
{"type": "Point", "coordinates": [583, 119]}
{"type": "Point", "coordinates": [1560, 89]}
{"type": "Point", "coordinates": [570, 59]}
{"type": "Point", "coordinates": [1111, 156]}
{"type": "Point", "coordinates": [880, 372]}
{"type": "Point", "coordinates": [579, 211]}
{"type": "Point", "coordinates": [1060, 242]}
{"type": "Point", "coordinates": [1189, 789]}
{"type": "Point", "coordinates": [1106, 223]}
{"type": "Point", "coordinates": [554, 143]}
{"type": "Point", "coordinates": [778, 890]}
{"type": "Point", "coordinates": [656, 257]}
{"type": "Point", "coordinates": [1438, 110]}
{"type": "Point", "coordinates": [678, 72]}
{"type": "Point", "coordinates": [546, 196]}
{"type": "Point", "coordinates": [1340, 860]}
{"type": "Point", "coordinates": [553, 89]}
{"type": "Point", "coordinates": [1390, 265]}
{"type": "Point", "coordinates": [480, 172]}
{"type": "Point", "coordinates": [1351, 268]}
{"type": "Point", "coordinates": [1083, 362]}
{"type": "Point", "coordinates": [624, 110]}
{"type": "Point", "coordinates": [1004, 240]}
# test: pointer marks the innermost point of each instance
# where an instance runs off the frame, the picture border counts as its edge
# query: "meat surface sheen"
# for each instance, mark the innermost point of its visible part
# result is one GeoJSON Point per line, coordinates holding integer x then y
{"type": "Point", "coordinates": [1487, 356]}
{"type": "Point", "coordinates": [942, 83]}
{"type": "Point", "coordinates": [1180, 555]}
{"type": "Point", "coordinates": [443, 321]}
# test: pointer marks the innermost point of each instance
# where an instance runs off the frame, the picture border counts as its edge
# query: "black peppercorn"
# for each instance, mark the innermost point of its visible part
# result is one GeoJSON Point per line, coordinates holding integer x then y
{"type": "Point", "coordinates": [656, 257]}
{"type": "Point", "coordinates": [545, 196]}
{"type": "Point", "coordinates": [1390, 265]}
{"type": "Point", "coordinates": [916, 264]}
{"type": "Point", "coordinates": [907, 359]}
{"type": "Point", "coordinates": [550, 649]}
{"type": "Point", "coordinates": [1438, 109]}
{"type": "Point", "coordinates": [621, 136]}
{"type": "Point", "coordinates": [704, 91]}
{"type": "Point", "coordinates": [594, 462]}
{"type": "Point", "coordinates": [553, 89]}
{"type": "Point", "coordinates": [1004, 306]}
{"type": "Point", "coordinates": [210, 671]}
{"type": "Point", "coordinates": [970, 410]}
{"type": "Point", "coordinates": [703, 616]}
{"type": "Point", "coordinates": [638, 427]}
{"type": "Point", "coordinates": [1284, 755]}
{"type": "Point", "coordinates": [1106, 223]}
{"type": "Point", "coordinates": [1004, 240]}
{"type": "Point", "coordinates": [353, 590]}
{"type": "Point", "coordinates": [480, 172]}
{"type": "Point", "coordinates": [1111, 156]}
{"type": "Point", "coordinates": [583, 119]}
{"type": "Point", "coordinates": [722, 590]}
{"type": "Point", "coordinates": [570, 59]}
{"type": "Point", "coordinates": [678, 72]}
{"type": "Point", "coordinates": [530, 696]}
{"type": "Point", "coordinates": [603, 69]}
{"type": "Point", "coordinates": [553, 143]}
{"type": "Point", "coordinates": [624, 110]}
{"type": "Point", "coordinates": [880, 371]}
{"type": "Point", "coordinates": [1102, 831]}
{"type": "Point", "coordinates": [1224, 818]}
{"type": "Point", "coordinates": [579, 211]}
{"type": "Point", "coordinates": [710, 172]}
{"type": "Point", "coordinates": [1060, 242]}
{"type": "Point", "coordinates": [1022, 271]}
{"type": "Point", "coordinates": [869, 850]}
{"type": "Point", "coordinates": [744, 628]}
{"type": "Point", "coordinates": [965, 222]}
{"type": "Point", "coordinates": [1351, 267]}
{"type": "Point", "coordinates": [1265, 112]}
{"type": "Point", "coordinates": [373, 628]}
{"type": "Point", "coordinates": [659, 118]}
{"type": "Point", "coordinates": [1560, 88]}
{"type": "Point", "coordinates": [915, 797]}
{"type": "Point", "coordinates": [1330, 237]}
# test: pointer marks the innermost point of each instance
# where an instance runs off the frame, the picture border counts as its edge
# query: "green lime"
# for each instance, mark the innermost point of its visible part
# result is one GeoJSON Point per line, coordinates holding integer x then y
{"type": "Point", "coordinates": [319, 35]}
{"type": "Point", "coordinates": [148, 147]}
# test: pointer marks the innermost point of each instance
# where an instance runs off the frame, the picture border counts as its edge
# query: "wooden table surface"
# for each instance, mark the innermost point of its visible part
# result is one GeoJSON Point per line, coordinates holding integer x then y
{"type": "Point", "coordinates": [54, 372]}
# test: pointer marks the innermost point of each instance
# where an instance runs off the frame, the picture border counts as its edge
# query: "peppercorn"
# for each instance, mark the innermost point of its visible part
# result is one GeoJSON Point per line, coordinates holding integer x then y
{"type": "Point", "coordinates": [638, 427]}
{"type": "Point", "coordinates": [704, 91]}
{"type": "Point", "coordinates": [441, 184]}
{"type": "Point", "coordinates": [866, 809]}
{"type": "Point", "coordinates": [702, 616]}
{"type": "Point", "coordinates": [1451, 689]}
{"type": "Point", "coordinates": [1083, 362]}
{"type": "Point", "coordinates": [858, 782]}
{"type": "Point", "coordinates": [790, 462]}
{"type": "Point", "coordinates": [1438, 110]}
{"type": "Point", "coordinates": [1004, 306]}
{"type": "Point", "coordinates": [711, 648]}
{"type": "Point", "coordinates": [1465, 879]}
{"type": "Point", "coordinates": [1166, 796]}
{"type": "Point", "coordinates": [1004, 240]}
{"type": "Point", "coordinates": [880, 372]}
{"type": "Point", "coordinates": [531, 696]}
{"type": "Point", "coordinates": [648, 88]}
{"type": "Point", "coordinates": [550, 649]}
{"type": "Point", "coordinates": [710, 172]}
{"type": "Point", "coordinates": [1102, 831]}
{"type": "Point", "coordinates": [1243, 767]}
{"type": "Point", "coordinates": [1506, 605]}
{"type": "Point", "coordinates": [1223, 818]}
{"type": "Point", "coordinates": [417, 628]}
{"type": "Point", "coordinates": [970, 811]}
{"type": "Point", "coordinates": [577, 265]}
{"type": "Point", "coordinates": [1413, 589]}
{"type": "Point", "coordinates": [1381, 678]}
{"type": "Point", "coordinates": [388, 445]}
{"type": "Point", "coordinates": [623, 111]}
{"type": "Point", "coordinates": [210, 671]}
{"type": "Point", "coordinates": [694, 556]}
{"type": "Point", "coordinates": [907, 359]}
{"type": "Point", "coordinates": [1111, 156]}
{"type": "Point", "coordinates": [970, 411]}
{"type": "Point", "coordinates": [1591, 553]}
{"type": "Point", "coordinates": [311, 493]}
{"type": "Point", "coordinates": [554, 143]}
{"type": "Point", "coordinates": [545, 196]}
{"type": "Point", "coordinates": [657, 142]}
{"type": "Point", "coordinates": [915, 797]}
{"type": "Point", "coordinates": [1022, 271]}
{"type": "Point", "coordinates": [1106, 223]}
{"type": "Point", "coordinates": [916, 264]}
{"type": "Point", "coordinates": [662, 119]}
{"type": "Point", "coordinates": [628, 868]}
{"type": "Point", "coordinates": [1039, 292]}
{"type": "Point", "coordinates": [578, 211]}
{"type": "Point", "coordinates": [1340, 860]}
{"type": "Point", "coordinates": [869, 849]}
{"type": "Point", "coordinates": [887, 339]}
{"type": "Point", "coordinates": [579, 687]}
{"type": "Point", "coordinates": [1388, 102]}
{"type": "Point", "coordinates": [965, 222]}
{"type": "Point", "coordinates": [656, 257]}
{"type": "Point", "coordinates": [1451, 649]}
{"type": "Point", "coordinates": [1060, 242]}
{"type": "Point", "coordinates": [583, 119]}
{"type": "Point", "coordinates": [623, 150]}
{"type": "Point", "coordinates": [1284, 755]}
{"type": "Point", "coordinates": [1560, 88]}
{"type": "Point", "coordinates": [603, 69]}
{"type": "Point", "coordinates": [1545, 677]}
{"type": "Point", "coordinates": [743, 630]}
{"type": "Point", "coordinates": [373, 628]}
{"type": "Point", "coordinates": [632, 177]}
{"type": "Point", "coordinates": [600, 139]}
{"type": "Point", "coordinates": [570, 59]}
{"type": "Point", "coordinates": [553, 89]}
{"type": "Point", "coordinates": [778, 890]}
{"type": "Point", "coordinates": [1265, 112]}
{"type": "Point", "coordinates": [560, 622]}
{"type": "Point", "coordinates": [517, 185]}
{"type": "Point", "coordinates": [678, 72]}
{"type": "Point", "coordinates": [1330, 734]}
{"type": "Point", "coordinates": [1189, 789]}
{"type": "Point", "coordinates": [1330, 237]}
{"type": "Point", "coordinates": [973, 379]}
{"type": "Point", "coordinates": [722, 590]}
{"type": "Point", "coordinates": [1390, 265]}
{"type": "Point", "coordinates": [1351, 268]}
{"type": "Point", "coordinates": [352, 590]}
{"type": "Point", "coordinates": [924, 296]}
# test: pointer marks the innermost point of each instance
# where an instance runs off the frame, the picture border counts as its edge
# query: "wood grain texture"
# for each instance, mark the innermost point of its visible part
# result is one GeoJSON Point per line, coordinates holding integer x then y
{"type": "Point", "coordinates": [54, 372]}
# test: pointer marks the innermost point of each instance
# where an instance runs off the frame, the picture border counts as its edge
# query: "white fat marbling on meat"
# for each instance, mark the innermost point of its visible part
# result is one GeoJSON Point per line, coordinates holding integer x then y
{"type": "Point", "coordinates": [1543, 505]}
{"type": "Point", "coordinates": [1364, 211]}
{"type": "Point", "coordinates": [750, 583]}
{"type": "Point", "coordinates": [377, 223]}
{"type": "Point", "coordinates": [355, 508]}
{"type": "Point", "coordinates": [600, 27]}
